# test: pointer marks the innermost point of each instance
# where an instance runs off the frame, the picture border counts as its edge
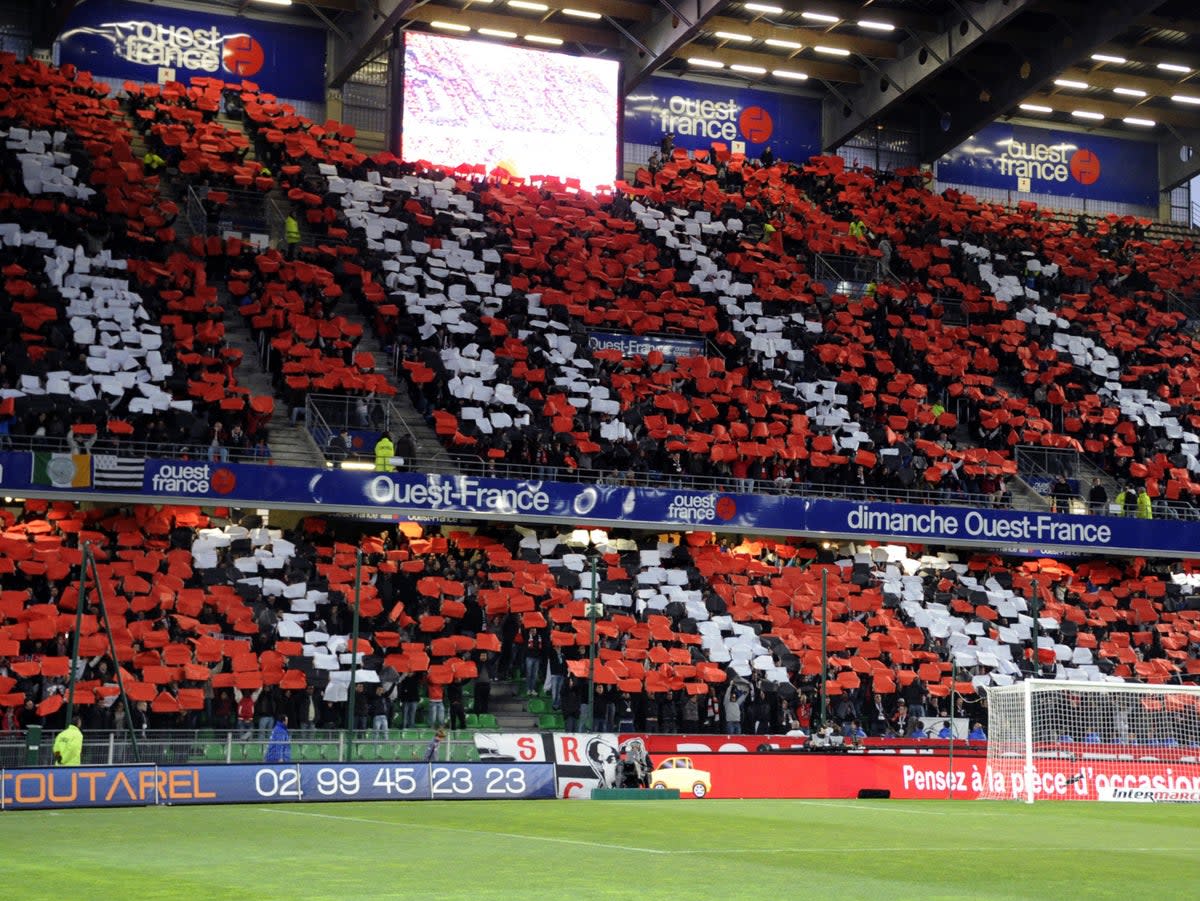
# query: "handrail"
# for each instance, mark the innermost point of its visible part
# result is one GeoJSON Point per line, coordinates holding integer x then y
{"type": "Point", "coordinates": [150, 449]}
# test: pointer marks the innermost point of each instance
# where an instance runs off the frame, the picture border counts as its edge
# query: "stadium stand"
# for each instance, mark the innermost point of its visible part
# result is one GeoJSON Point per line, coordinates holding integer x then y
{"type": "Point", "coordinates": [114, 342]}
{"type": "Point", "coordinates": [488, 289]}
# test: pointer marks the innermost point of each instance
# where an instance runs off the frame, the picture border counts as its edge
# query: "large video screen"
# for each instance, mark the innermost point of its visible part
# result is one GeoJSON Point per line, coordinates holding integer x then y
{"type": "Point", "coordinates": [528, 111]}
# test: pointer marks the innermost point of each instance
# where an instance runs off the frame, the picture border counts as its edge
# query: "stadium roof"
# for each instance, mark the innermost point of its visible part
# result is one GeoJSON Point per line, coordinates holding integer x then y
{"type": "Point", "coordinates": [934, 70]}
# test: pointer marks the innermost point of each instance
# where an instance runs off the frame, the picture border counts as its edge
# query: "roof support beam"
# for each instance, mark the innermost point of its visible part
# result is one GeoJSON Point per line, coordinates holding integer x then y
{"type": "Point", "coordinates": [665, 37]}
{"type": "Point", "coordinates": [1173, 169]}
{"type": "Point", "coordinates": [836, 72]}
{"type": "Point", "coordinates": [908, 74]}
{"type": "Point", "coordinates": [809, 37]}
{"type": "Point", "coordinates": [364, 31]}
{"type": "Point", "coordinates": [553, 28]}
{"type": "Point", "coordinates": [1070, 36]}
{"type": "Point", "coordinates": [1113, 108]}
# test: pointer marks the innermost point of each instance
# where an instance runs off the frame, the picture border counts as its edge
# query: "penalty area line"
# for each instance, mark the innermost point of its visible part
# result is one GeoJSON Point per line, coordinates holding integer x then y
{"type": "Point", "coordinates": [484, 832]}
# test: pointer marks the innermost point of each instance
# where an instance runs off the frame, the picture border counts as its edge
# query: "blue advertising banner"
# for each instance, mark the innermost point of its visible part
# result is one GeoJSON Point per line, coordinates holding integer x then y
{"type": "Point", "coordinates": [698, 114]}
{"type": "Point", "coordinates": [670, 346]}
{"type": "Point", "coordinates": [128, 786]}
{"type": "Point", "coordinates": [473, 497]}
{"type": "Point", "coordinates": [1065, 163]}
{"type": "Point", "coordinates": [137, 41]}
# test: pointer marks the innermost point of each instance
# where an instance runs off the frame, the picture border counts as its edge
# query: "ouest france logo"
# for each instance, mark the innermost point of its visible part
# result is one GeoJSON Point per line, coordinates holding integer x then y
{"type": "Point", "coordinates": [1029, 161]}
{"type": "Point", "coordinates": [717, 120]}
{"type": "Point", "coordinates": [148, 43]}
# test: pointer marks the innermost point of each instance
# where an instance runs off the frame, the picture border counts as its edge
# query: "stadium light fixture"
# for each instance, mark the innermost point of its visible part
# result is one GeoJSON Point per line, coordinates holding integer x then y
{"type": "Point", "coordinates": [1129, 92]}
{"type": "Point", "coordinates": [1071, 83]}
{"type": "Point", "coordinates": [275, 2]}
{"type": "Point", "coordinates": [1087, 114]}
{"type": "Point", "coordinates": [763, 8]}
{"type": "Point", "coordinates": [497, 33]}
{"type": "Point", "coordinates": [1144, 123]}
{"type": "Point", "coordinates": [1035, 108]}
{"type": "Point", "coordinates": [449, 26]}
{"type": "Point", "coordinates": [581, 14]}
{"type": "Point", "coordinates": [525, 4]}
{"type": "Point", "coordinates": [1109, 58]}
{"type": "Point", "coordinates": [783, 45]}
{"type": "Point", "coordinates": [702, 63]}
{"type": "Point", "coordinates": [789, 74]}
{"type": "Point", "coordinates": [544, 39]}
{"type": "Point", "coordinates": [733, 36]}
{"type": "Point", "coordinates": [747, 70]}
{"type": "Point", "coordinates": [1185, 98]}
{"type": "Point", "coordinates": [1174, 67]}
{"type": "Point", "coordinates": [832, 51]}
{"type": "Point", "coordinates": [875, 25]}
{"type": "Point", "coordinates": [820, 17]}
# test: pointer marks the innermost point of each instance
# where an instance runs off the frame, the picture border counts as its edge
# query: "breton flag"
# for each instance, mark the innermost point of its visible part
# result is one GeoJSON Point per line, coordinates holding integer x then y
{"type": "Point", "coordinates": [111, 471]}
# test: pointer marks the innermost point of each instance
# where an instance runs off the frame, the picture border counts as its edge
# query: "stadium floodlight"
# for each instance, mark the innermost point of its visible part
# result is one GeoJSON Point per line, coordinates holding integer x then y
{"type": "Point", "coordinates": [783, 45]}
{"type": "Point", "coordinates": [1106, 741]}
{"type": "Point", "coordinates": [832, 51]}
{"type": "Point", "coordinates": [1109, 58]}
{"type": "Point", "coordinates": [765, 8]}
{"type": "Point", "coordinates": [525, 4]}
{"type": "Point", "coordinates": [497, 33]}
{"type": "Point", "coordinates": [1186, 98]}
{"type": "Point", "coordinates": [449, 26]}
{"type": "Point", "coordinates": [874, 25]}
{"type": "Point", "coordinates": [789, 74]}
{"type": "Point", "coordinates": [820, 17]}
{"type": "Point", "coordinates": [581, 13]}
{"type": "Point", "coordinates": [544, 39]}
{"type": "Point", "coordinates": [748, 70]}
{"type": "Point", "coordinates": [1087, 114]}
{"type": "Point", "coordinates": [1129, 92]}
{"type": "Point", "coordinates": [1144, 123]}
{"type": "Point", "coordinates": [275, 2]}
{"type": "Point", "coordinates": [1071, 83]}
{"type": "Point", "coordinates": [1035, 108]}
{"type": "Point", "coordinates": [703, 63]}
{"type": "Point", "coordinates": [1174, 67]}
{"type": "Point", "coordinates": [733, 36]}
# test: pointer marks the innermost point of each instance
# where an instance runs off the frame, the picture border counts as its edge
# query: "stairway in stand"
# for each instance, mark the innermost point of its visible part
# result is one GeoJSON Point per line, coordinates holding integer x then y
{"type": "Point", "coordinates": [509, 709]}
{"type": "Point", "coordinates": [426, 445]}
{"type": "Point", "coordinates": [291, 445]}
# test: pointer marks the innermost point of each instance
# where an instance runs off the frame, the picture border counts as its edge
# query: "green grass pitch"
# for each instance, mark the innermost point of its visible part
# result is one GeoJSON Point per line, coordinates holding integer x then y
{"type": "Point", "coordinates": [605, 849]}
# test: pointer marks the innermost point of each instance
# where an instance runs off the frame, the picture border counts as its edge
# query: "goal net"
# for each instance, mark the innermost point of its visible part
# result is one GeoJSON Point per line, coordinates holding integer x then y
{"type": "Point", "coordinates": [1099, 741]}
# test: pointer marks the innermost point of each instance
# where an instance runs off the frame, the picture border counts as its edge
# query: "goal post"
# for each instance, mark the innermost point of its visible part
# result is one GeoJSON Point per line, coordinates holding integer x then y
{"type": "Point", "coordinates": [1105, 741]}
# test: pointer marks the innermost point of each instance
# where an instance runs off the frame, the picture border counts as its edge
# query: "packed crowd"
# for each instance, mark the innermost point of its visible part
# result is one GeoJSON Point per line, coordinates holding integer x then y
{"type": "Point", "coordinates": [489, 291]}
{"type": "Point", "coordinates": [228, 625]}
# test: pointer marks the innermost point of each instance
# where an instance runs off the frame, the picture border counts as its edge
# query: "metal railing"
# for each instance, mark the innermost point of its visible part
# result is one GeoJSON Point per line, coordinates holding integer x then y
{"type": "Point", "coordinates": [175, 746]}
{"type": "Point", "coordinates": [327, 414]}
{"type": "Point", "coordinates": [845, 268]}
{"type": "Point", "coordinates": [182, 450]}
{"type": "Point", "coordinates": [1177, 304]}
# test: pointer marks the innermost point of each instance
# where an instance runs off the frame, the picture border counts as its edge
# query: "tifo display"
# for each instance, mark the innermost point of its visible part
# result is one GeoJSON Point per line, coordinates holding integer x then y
{"type": "Point", "coordinates": [801, 510]}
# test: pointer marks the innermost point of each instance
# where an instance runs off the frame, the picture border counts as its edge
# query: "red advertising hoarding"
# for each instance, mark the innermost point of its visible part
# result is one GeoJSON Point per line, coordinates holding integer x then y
{"type": "Point", "coordinates": [932, 776]}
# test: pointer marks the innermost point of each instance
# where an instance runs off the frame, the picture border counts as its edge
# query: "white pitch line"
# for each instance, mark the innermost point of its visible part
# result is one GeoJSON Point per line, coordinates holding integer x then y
{"type": "Point", "coordinates": [921, 848]}
{"type": "Point", "coordinates": [484, 832]}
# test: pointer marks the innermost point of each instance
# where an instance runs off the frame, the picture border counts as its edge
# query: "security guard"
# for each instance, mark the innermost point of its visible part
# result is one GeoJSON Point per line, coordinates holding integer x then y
{"type": "Point", "coordinates": [291, 234]}
{"type": "Point", "coordinates": [68, 745]}
{"type": "Point", "coordinates": [384, 451]}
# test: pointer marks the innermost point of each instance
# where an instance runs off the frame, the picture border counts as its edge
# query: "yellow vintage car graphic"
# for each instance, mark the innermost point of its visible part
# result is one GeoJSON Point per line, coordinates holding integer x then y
{"type": "Point", "coordinates": [678, 772]}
